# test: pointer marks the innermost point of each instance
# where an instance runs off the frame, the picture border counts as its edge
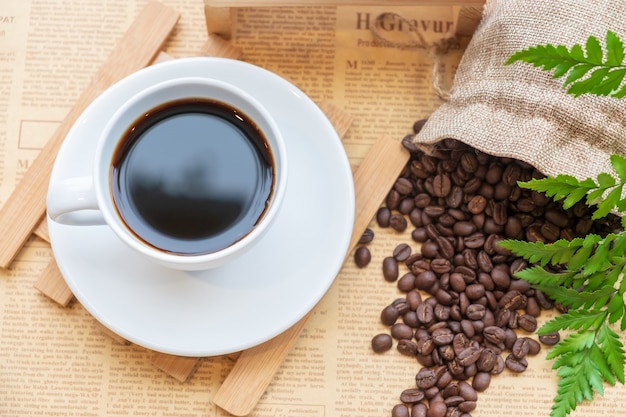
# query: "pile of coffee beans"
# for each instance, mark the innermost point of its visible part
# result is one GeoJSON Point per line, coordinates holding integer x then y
{"type": "Point", "coordinates": [464, 316]}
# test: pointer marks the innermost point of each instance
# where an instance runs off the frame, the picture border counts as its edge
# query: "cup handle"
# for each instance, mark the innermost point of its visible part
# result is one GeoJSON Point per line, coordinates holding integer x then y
{"type": "Point", "coordinates": [73, 202]}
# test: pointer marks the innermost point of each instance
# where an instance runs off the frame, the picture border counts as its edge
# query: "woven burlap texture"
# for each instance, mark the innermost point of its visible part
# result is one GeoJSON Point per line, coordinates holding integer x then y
{"type": "Point", "coordinates": [522, 112]}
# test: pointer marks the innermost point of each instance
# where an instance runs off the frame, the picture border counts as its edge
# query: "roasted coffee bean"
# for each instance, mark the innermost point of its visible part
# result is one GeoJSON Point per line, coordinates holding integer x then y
{"type": "Point", "coordinates": [510, 337]}
{"type": "Point", "coordinates": [453, 400]}
{"type": "Point", "coordinates": [477, 204]}
{"type": "Point", "coordinates": [402, 305]}
{"type": "Point", "coordinates": [425, 280]}
{"type": "Point", "coordinates": [381, 343]}
{"type": "Point", "coordinates": [464, 228]}
{"type": "Point", "coordinates": [442, 336]}
{"type": "Point", "coordinates": [412, 396]}
{"type": "Point", "coordinates": [498, 368]}
{"type": "Point", "coordinates": [487, 360]}
{"type": "Point", "coordinates": [446, 353]}
{"type": "Point", "coordinates": [457, 283]}
{"type": "Point", "coordinates": [446, 249]}
{"type": "Point", "coordinates": [475, 311]}
{"type": "Point", "coordinates": [390, 269]}
{"type": "Point", "coordinates": [442, 185]}
{"type": "Point", "coordinates": [481, 381]}
{"type": "Point", "coordinates": [362, 256]}
{"type": "Point", "coordinates": [550, 231]}
{"type": "Point", "coordinates": [466, 407]}
{"type": "Point", "coordinates": [402, 252]}
{"type": "Point", "coordinates": [515, 364]}
{"type": "Point", "coordinates": [520, 348]}
{"type": "Point", "coordinates": [474, 241]}
{"type": "Point", "coordinates": [400, 410]}
{"type": "Point", "coordinates": [392, 200]}
{"type": "Point", "coordinates": [425, 313]}
{"type": "Point", "coordinates": [475, 291]}
{"type": "Point", "coordinates": [494, 334]}
{"type": "Point", "coordinates": [455, 198]}
{"type": "Point", "coordinates": [419, 410]}
{"type": "Point", "coordinates": [521, 286]}
{"type": "Point", "coordinates": [512, 300]}
{"type": "Point", "coordinates": [469, 162]}
{"type": "Point", "coordinates": [557, 217]}
{"type": "Point", "coordinates": [410, 319]}
{"type": "Point", "coordinates": [433, 211]}
{"type": "Point", "coordinates": [383, 215]}
{"type": "Point", "coordinates": [484, 261]}
{"type": "Point", "coordinates": [418, 125]}
{"type": "Point", "coordinates": [533, 346]}
{"type": "Point", "coordinates": [430, 249]}
{"type": "Point", "coordinates": [366, 237]}
{"type": "Point", "coordinates": [389, 315]}
{"type": "Point", "coordinates": [437, 409]}
{"type": "Point", "coordinates": [403, 185]}
{"type": "Point", "coordinates": [500, 215]}
{"type": "Point", "coordinates": [401, 331]}
{"type": "Point", "coordinates": [441, 312]}
{"type": "Point", "coordinates": [469, 356]}
{"type": "Point", "coordinates": [550, 339]}
{"type": "Point", "coordinates": [494, 173]}
{"type": "Point", "coordinates": [419, 235]}
{"type": "Point", "coordinates": [422, 200]}
{"type": "Point", "coordinates": [413, 299]}
{"type": "Point", "coordinates": [440, 266]}
{"type": "Point", "coordinates": [406, 205]}
{"type": "Point", "coordinates": [543, 300]}
{"type": "Point", "coordinates": [527, 322]}
{"type": "Point", "coordinates": [397, 222]}
{"type": "Point", "coordinates": [425, 378]}
{"type": "Point", "coordinates": [425, 345]}
{"type": "Point", "coordinates": [406, 283]}
{"type": "Point", "coordinates": [407, 347]}
{"type": "Point", "coordinates": [532, 307]}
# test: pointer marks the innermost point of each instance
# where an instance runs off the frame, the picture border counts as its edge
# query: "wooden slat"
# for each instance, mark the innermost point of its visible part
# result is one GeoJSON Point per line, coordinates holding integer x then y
{"type": "Point", "coordinates": [271, 3]}
{"type": "Point", "coordinates": [219, 21]}
{"type": "Point", "coordinates": [217, 46]}
{"type": "Point", "coordinates": [256, 367]}
{"type": "Point", "coordinates": [338, 117]}
{"type": "Point", "coordinates": [21, 213]}
{"type": "Point", "coordinates": [179, 367]}
{"type": "Point", "coordinates": [52, 284]}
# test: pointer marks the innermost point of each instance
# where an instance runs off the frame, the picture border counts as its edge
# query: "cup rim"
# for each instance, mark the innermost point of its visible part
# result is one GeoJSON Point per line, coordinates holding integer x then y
{"type": "Point", "coordinates": [202, 260]}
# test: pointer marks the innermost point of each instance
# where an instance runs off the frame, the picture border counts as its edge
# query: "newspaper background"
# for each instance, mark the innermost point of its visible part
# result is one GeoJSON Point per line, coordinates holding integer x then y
{"type": "Point", "coordinates": [55, 361]}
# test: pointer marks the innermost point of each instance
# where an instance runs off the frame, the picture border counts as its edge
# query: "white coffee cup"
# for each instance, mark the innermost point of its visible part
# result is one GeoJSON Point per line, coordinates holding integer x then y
{"type": "Point", "coordinates": [93, 200]}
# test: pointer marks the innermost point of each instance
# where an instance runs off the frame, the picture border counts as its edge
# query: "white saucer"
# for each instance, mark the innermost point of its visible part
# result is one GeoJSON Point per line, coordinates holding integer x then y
{"type": "Point", "coordinates": [263, 292]}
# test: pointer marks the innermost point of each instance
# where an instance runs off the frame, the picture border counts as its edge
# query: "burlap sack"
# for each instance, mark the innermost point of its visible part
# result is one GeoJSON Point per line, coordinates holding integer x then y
{"type": "Point", "coordinates": [522, 112]}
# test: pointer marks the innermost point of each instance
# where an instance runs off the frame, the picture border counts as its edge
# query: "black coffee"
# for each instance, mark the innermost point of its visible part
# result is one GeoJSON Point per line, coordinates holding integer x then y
{"type": "Point", "coordinates": [192, 176]}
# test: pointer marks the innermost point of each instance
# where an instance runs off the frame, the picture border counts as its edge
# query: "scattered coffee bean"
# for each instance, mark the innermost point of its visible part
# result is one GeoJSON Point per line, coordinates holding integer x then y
{"type": "Point", "coordinates": [550, 339]}
{"type": "Point", "coordinates": [381, 343]}
{"type": "Point", "coordinates": [390, 269]}
{"type": "Point", "coordinates": [362, 256]}
{"type": "Point", "coordinates": [400, 410]}
{"type": "Point", "coordinates": [412, 396]}
{"type": "Point", "coordinates": [515, 364]}
{"type": "Point", "coordinates": [366, 237]}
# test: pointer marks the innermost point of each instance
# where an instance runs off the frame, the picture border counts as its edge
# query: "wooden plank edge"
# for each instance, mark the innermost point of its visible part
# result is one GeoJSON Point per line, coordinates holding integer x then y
{"type": "Point", "coordinates": [23, 211]}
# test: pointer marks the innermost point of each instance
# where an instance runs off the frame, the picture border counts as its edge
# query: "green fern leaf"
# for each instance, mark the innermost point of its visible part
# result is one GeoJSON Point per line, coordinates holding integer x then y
{"type": "Point", "coordinates": [614, 49]}
{"type": "Point", "coordinates": [574, 320]}
{"type": "Point", "coordinates": [613, 350]}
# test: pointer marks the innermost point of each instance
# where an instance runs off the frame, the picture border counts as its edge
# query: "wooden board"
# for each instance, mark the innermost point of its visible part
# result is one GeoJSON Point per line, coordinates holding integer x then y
{"type": "Point", "coordinates": [25, 208]}
{"type": "Point", "coordinates": [256, 367]}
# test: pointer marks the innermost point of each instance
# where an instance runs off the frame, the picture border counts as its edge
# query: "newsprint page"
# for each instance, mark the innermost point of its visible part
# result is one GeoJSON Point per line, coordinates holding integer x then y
{"type": "Point", "coordinates": [55, 361]}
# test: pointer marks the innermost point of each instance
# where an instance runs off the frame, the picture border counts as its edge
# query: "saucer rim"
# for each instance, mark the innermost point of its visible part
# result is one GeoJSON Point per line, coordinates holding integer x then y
{"type": "Point", "coordinates": [343, 237]}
